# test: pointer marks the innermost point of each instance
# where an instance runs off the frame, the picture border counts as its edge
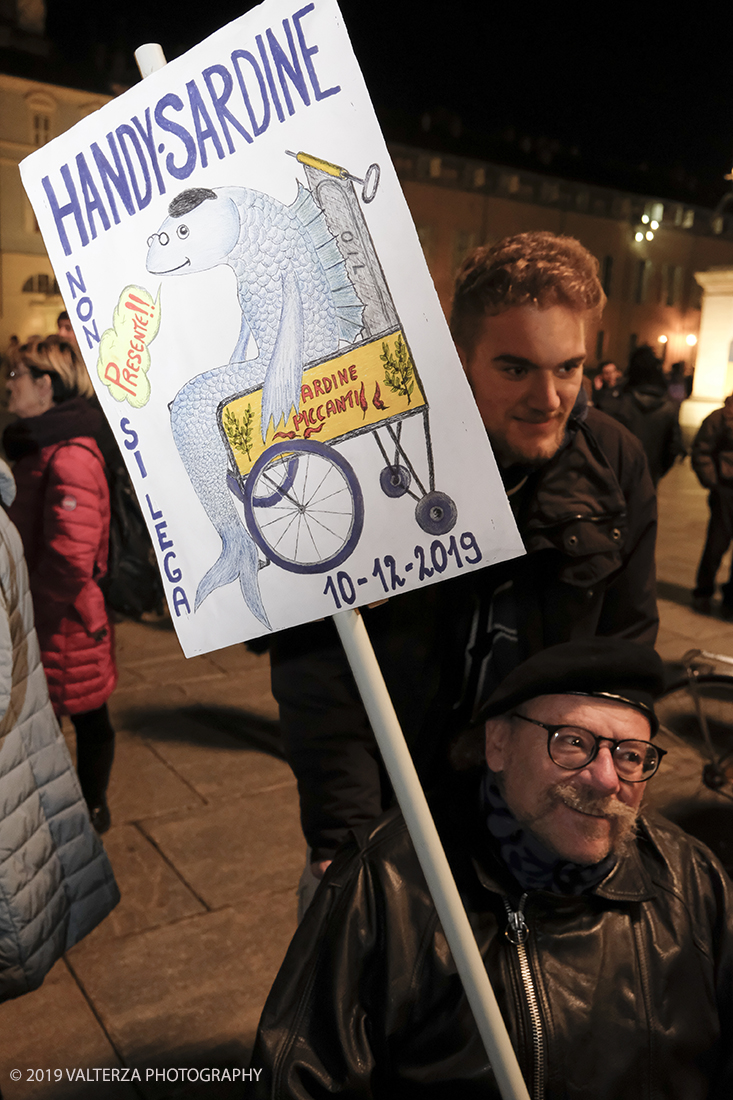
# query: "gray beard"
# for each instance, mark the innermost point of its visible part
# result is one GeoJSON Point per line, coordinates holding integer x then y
{"type": "Point", "coordinates": [623, 818]}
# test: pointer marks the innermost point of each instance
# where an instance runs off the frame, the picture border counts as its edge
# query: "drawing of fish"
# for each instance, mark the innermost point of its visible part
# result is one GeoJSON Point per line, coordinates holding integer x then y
{"type": "Point", "coordinates": [297, 304]}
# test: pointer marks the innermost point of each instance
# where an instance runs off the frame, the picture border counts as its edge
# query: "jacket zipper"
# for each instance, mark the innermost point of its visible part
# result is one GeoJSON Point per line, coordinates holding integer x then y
{"type": "Point", "coordinates": [517, 932]}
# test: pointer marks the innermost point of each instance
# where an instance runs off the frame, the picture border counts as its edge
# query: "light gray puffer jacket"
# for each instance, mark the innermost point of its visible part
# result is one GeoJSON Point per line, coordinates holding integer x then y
{"type": "Point", "coordinates": [56, 883]}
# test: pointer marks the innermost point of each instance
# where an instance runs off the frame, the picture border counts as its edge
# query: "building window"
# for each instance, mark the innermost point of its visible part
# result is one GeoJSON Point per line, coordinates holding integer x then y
{"type": "Point", "coordinates": [643, 275]}
{"type": "Point", "coordinates": [676, 283]}
{"type": "Point", "coordinates": [665, 286]}
{"type": "Point", "coordinates": [41, 128]}
{"type": "Point", "coordinates": [678, 280]}
{"type": "Point", "coordinates": [42, 110]}
{"type": "Point", "coordinates": [606, 274]}
{"type": "Point", "coordinates": [41, 284]}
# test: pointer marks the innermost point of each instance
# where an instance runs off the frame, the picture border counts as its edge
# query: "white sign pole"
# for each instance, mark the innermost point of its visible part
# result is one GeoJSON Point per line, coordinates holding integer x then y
{"type": "Point", "coordinates": [414, 807]}
{"type": "Point", "coordinates": [420, 824]}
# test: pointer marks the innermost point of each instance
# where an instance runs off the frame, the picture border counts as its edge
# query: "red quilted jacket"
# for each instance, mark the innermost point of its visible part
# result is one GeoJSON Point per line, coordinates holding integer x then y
{"type": "Point", "coordinates": [62, 513]}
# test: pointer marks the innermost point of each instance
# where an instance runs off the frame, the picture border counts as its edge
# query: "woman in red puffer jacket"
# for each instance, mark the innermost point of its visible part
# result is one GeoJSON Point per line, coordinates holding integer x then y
{"type": "Point", "coordinates": [62, 512]}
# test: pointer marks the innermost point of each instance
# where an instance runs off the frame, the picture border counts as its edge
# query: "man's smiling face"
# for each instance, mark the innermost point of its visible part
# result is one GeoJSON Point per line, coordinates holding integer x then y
{"type": "Point", "coordinates": [525, 369]}
{"type": "Point", "coordinates": [578, 815]}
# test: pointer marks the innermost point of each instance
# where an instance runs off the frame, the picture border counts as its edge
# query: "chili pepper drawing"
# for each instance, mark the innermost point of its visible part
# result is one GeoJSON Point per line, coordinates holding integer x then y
{"type": "Point", "coordinates": [377, 399]}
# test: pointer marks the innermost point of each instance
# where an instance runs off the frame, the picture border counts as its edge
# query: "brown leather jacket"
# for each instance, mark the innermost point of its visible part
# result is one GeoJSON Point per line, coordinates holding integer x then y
{"type": "Point", "coordinates": [633, 980]}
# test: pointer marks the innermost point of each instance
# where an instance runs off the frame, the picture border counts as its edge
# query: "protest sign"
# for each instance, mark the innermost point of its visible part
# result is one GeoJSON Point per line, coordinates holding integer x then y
{"type": "Point", "coordinates": [250, 296]}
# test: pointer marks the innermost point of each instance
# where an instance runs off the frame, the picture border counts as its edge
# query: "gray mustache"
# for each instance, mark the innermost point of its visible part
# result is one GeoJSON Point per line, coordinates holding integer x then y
{"type": "Point", "coordinates": [589, 803]}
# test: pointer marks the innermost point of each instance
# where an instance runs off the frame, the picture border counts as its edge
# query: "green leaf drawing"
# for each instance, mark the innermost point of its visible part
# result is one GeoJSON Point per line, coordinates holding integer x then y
{"type": "Point", "coordinates": [239, 432]}
{"type": "Point", "coordinates": [399, 372]}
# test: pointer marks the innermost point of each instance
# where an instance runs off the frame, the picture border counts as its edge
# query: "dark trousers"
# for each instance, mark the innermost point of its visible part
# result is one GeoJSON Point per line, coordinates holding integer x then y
{"type": "Point", "coordinates": [95, 750]}
{"type": "Point", "coordinates": [720, 533]}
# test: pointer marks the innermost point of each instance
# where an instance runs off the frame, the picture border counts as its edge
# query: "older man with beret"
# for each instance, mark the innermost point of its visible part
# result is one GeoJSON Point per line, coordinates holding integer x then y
{"type": "Point", "coordinates": [607, 933]}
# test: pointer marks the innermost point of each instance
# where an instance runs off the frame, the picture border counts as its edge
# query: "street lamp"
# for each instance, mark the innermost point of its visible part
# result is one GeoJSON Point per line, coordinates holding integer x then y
{"type": "Point", "coordinates": [663, 341]}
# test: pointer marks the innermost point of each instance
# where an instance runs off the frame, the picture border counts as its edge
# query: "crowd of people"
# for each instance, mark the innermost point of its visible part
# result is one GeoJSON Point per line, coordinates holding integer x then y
{"type": "Point", "coordinates": [526, 692]}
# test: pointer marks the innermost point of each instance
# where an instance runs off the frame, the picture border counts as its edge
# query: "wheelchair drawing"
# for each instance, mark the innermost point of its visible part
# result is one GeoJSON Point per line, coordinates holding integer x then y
{"type": "Point", "coordinates": [303, 504]}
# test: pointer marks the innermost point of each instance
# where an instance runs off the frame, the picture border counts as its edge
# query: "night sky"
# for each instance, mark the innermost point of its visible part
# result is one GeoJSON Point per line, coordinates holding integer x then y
{"type": "Point", "coordinates": [643, 102]}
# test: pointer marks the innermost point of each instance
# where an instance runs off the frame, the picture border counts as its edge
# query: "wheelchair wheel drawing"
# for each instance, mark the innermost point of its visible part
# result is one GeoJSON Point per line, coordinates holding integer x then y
{"type": "Point", "coordinates": [304, 506]}
{"type": "Point", "coordinates": [436, 513]}
{"type": "Point", "coordinates": [395, 480]}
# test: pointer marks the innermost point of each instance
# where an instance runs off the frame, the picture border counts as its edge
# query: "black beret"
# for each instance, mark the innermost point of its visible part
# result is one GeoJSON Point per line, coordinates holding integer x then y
{"type": "Point", "coordinates": [607, 668]}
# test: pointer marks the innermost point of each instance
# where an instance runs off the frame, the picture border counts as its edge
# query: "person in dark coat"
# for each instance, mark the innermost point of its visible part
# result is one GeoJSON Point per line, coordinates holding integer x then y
{"type": "Point", "coordinates": [580, 490]}
{"type": "Point", "coordinates": [647, 410]}
{"type": "Point", "coordinates": [606, 932]}
{"type": "Point", "coordinates": [62, 512]}
{"type": "Point", "coordinates": [712, 461]}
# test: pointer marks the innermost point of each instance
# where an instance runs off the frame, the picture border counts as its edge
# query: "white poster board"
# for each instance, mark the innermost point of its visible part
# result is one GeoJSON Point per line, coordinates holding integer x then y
{"type": "Point", "coordinates": [250, 296]}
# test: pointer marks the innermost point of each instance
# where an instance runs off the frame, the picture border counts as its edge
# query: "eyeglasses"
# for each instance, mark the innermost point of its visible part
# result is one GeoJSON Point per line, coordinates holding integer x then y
{"type": "Point", "coordinates": [572, 748]}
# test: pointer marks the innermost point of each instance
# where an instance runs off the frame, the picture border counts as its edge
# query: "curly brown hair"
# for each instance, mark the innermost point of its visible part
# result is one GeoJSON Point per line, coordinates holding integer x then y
{"type": "Point", "coordinates": [537, 267]}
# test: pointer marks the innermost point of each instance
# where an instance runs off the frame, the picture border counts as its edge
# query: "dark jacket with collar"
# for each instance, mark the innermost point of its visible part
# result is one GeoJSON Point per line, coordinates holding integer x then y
{"type": "Point", "coordinates": [653, 417]}
{"type": "Point", "coordinates": [634, 979]}
{"type": "Point", "coordinates": [588, 520]}
{"type": "Point", "coordinates": [712, 451]}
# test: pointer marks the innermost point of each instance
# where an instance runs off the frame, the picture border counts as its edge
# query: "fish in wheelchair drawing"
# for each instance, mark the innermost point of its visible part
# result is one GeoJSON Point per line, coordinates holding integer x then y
{"type": "Point", "coordinates": [297, 304]}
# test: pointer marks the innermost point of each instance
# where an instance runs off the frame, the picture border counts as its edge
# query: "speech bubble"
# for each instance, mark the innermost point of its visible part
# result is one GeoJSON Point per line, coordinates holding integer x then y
{"type": "Point", "coordinates": [124, 359]}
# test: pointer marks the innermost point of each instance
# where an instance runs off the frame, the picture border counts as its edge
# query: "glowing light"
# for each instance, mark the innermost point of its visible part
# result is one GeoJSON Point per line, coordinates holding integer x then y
{"type": "Point", "coordinates": [638, 236]}
{"type": "Point", "coordinates": [662, 339]}
{"type": "Point", "coordinates": [691, 340]}
{"type": "Point", "coordinates": [649, 235]}
{"type": "Point", "coordinates": [655, 225]}
{"type": "Point", "coordinates": [645, 219]}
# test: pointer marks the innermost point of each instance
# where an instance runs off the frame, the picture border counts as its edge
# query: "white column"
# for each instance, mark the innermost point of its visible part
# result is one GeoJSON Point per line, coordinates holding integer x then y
{"type": "Point", "coordinates": [713, 367]}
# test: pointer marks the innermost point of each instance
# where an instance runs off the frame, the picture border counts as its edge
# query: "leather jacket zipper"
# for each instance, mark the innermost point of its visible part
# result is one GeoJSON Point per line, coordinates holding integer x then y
{"type": "Point", "coordinates": [517, 932]}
